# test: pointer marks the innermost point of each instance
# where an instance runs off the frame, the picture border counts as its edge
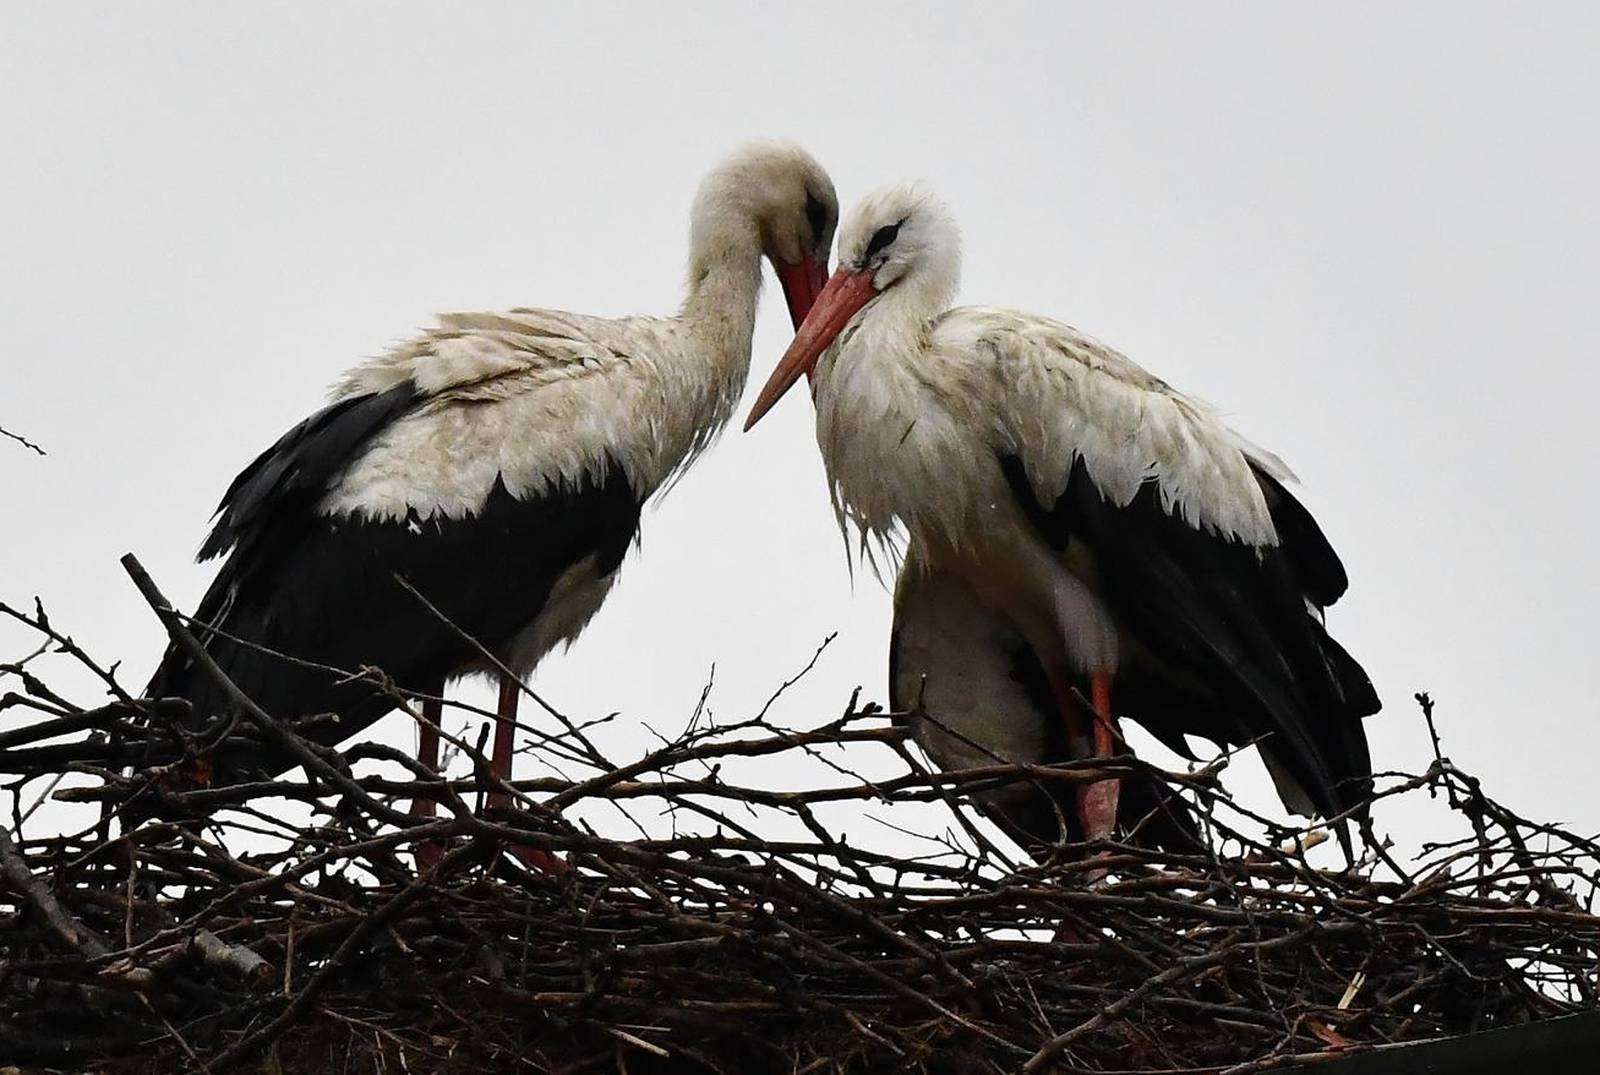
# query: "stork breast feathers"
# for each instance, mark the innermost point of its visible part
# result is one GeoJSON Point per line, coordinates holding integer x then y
{"type": "Point", "coordinates": [1064, 395]}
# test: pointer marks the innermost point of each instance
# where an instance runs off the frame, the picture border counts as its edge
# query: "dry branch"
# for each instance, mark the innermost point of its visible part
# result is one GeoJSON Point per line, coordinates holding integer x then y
{"type": "Point", "coordinates": [739, 932]}
{"type": "Point", "coordinates": [24, 441]}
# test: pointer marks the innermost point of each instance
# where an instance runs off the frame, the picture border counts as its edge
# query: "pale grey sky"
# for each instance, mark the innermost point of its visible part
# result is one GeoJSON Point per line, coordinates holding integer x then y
{"type": "Point", "coordinates": [1372, 239]}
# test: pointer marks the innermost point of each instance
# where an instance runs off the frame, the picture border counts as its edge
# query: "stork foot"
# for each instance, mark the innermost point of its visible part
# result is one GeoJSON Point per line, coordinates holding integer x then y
{"type": "Point", "coordinates": [536, 861]}
{"type": "Point", "coordinates": [428, 853]}
{"type": "Point", "coordinates": [1097, 808]}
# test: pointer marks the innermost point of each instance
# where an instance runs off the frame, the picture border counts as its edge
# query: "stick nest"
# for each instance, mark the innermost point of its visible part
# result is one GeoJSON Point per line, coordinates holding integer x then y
{"type": "Point", "coordinates": [714, 923]}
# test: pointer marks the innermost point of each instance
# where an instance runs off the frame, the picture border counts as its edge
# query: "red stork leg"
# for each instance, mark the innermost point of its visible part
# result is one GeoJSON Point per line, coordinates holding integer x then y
{"type": "Point", "coordinates": [429, 851]}
{"type": "Point", "coordinates": [505, 730]}
{"type": "Point", "coordinates": [1097, 802]}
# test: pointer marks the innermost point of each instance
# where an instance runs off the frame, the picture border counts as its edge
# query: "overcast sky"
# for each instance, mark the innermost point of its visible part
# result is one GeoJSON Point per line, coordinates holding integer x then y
{"type": "Point", "coordinates": [1372, 241]}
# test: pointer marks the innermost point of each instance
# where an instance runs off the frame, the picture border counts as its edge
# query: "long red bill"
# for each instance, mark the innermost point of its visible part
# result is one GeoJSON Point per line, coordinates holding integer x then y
{"type": "Point", "coordinates": [802, 284]}
{"type": "Point", "coordinates": [845, 294]}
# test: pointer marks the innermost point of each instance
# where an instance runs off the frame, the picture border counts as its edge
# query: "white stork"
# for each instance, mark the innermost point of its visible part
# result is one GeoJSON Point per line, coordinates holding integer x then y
{"type": "Point", "coordinates": [1052, 491]}
{"type": "Point", "coordinates": [498, 463]}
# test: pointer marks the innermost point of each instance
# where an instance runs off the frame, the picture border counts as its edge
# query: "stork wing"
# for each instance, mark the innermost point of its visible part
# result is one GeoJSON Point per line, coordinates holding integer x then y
{"type": "Point", "coordinates": [1065, 397]}
{"type": "Point", "coordinates": [473, 355]}
{"type": "Point", "coordinates": [1214, 573]}
{"type": "Point", "coordinates": [302, 464]}
{"type": "Point", "coordinates": [402, 475]}
{"type": "Point", "coordinates": [482, 357]}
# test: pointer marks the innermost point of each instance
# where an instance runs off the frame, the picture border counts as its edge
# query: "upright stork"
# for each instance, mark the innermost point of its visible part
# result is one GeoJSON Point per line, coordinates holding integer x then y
{"type": "Point", "coordinates": [1053, 492]}
{"type": "Point", "coordinates": [498, 464]}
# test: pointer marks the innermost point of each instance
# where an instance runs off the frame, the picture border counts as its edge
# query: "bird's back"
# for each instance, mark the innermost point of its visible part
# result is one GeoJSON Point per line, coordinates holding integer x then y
{"type": "Point", "coordinates": [464, 463]}
{"type": "Point", "coordinates": [1185, 532]}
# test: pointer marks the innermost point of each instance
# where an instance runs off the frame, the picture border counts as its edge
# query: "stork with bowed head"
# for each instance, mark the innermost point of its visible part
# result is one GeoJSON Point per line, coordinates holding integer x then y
{"type": "Point", "coordinates": [497, 464]}
{"type": "Point", "coordinates": [1051, 491]}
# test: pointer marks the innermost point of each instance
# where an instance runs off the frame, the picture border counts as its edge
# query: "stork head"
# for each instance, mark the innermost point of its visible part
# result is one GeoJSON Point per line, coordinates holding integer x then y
{"type": "Point", "coordinates": [900, 241]}
{"type": "Point", "coordinates": [778, 193]}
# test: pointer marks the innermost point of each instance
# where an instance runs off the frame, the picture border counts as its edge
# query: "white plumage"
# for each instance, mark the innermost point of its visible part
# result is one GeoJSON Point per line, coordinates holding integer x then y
{"type": "Point", "coordinates": [541, 399]}
{"type": "Point", "coordinates": [498, 462]}
{"type": "Point", "coordinates": [1096, 511]}
{"type": "Point", "coordinates": [904, 393]}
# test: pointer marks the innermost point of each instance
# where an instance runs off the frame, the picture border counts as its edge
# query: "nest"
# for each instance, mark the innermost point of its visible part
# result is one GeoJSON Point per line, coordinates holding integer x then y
{"type": "Point", "coordinates": [735, 929]}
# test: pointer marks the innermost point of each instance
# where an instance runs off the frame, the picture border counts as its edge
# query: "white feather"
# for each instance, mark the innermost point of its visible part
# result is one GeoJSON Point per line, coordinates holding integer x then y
{"type": "Point", "coordinates": [1061, 395]}
{"type": "Point", "coordinates": [541, 401]}
{"type": "Point", "coordinates": [953, 662]}
{"type": "Point", "coordinates": [917, 403]}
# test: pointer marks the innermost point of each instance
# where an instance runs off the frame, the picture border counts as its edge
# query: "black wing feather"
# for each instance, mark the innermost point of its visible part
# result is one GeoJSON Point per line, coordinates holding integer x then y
{"type": "Point", "coordinates": [303, 463]}
{"type": "Point", "coordinates": [1317, 567]}
{"type": "Point", "coordinates": [324, 589]}
{"type": "Point", "coordinates": [1225, 645]}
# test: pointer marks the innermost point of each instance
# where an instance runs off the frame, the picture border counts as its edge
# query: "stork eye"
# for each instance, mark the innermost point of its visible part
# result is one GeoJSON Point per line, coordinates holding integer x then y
{"type": "Point", "coordinates": [816, 216]}
{"type": "Point", "coordinates": [882, 238]}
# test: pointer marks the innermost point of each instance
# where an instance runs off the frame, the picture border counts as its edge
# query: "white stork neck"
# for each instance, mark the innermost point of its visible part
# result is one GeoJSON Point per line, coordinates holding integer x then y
{"type": "Point", "coordinates": [914, 300]}
{"type": "Point", "coordinates": [700, 368]}
{"type": "Point", "coordinates": [880, 428]}
{"type": "Point", "coordinates": [724, 287]}
{"type": "Point", "coordinates": [718, 320]}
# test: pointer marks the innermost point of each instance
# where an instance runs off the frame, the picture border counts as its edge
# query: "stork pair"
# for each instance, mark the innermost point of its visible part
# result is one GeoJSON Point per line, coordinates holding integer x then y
{"type": "Point", "coordinates": [1075, 529]}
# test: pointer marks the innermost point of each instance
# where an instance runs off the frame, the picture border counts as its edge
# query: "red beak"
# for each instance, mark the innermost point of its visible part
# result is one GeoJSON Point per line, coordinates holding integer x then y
{"type": "Point", "coordinates": [802, 283]}
{"type": "Point", "coordinates": [845, 294]}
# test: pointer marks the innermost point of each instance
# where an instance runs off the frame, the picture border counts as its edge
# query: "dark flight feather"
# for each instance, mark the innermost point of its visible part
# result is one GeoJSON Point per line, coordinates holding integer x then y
{"type": "Point", "coordinates": [1223, 643]}
{"type": "Point", "coordinates": [302, 465]}
{"type": "Point", "coordinates": [324, 589]}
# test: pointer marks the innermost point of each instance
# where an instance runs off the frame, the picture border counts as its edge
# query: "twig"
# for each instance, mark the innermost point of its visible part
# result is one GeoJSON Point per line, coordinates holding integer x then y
{"type": "Point", "coordinates": [24, 441]}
